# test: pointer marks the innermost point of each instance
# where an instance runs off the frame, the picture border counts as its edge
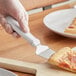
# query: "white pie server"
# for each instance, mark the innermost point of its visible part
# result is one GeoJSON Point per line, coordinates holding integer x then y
{"type": "Point", "coordinates": [41, 50]}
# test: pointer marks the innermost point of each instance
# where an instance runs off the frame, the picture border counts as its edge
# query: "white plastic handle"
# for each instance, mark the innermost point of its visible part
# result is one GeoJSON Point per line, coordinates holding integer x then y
{"type": "Point", "coordinates": [14, 24]}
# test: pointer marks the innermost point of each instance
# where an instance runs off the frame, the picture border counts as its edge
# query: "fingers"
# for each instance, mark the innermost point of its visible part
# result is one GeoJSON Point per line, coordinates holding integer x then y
{"type": "Point", "coordinates": [23, 22]}
{"type": "Point", "coordinates": [18, 12]}
{"type": "Point", "coordinates": [7, 27]}
{"type": "Point", "coordinates": [22, 18]}
{"type": "Point", "coordinates": [15, 35]}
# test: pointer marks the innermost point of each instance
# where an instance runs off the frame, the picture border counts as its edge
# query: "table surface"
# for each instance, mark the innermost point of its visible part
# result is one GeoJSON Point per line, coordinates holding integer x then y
{"type": "Point", "coordinates": [20, 49]}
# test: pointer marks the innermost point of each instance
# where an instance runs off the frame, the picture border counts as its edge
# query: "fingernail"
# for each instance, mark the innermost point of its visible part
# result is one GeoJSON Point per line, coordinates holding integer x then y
{"type": "Point", "coordinates": [26, 30]}
{"type": "Point", "coordinates": [14, 35]}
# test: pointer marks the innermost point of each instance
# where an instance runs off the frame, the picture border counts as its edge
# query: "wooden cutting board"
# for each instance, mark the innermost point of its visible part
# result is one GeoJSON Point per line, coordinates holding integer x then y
{"type": "Point", "coordinates": [43, 69]}
{"type": "Point", "coordinates": [20, 49]}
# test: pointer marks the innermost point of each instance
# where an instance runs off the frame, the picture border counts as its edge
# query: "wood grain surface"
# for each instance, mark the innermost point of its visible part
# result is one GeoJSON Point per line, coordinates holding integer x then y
{"type": "Point", "coordinates": [20, 49]}
{"type": "Point", "coordinates": [42, 69]}
{"type": "Point", "coordinates": [32, 4]}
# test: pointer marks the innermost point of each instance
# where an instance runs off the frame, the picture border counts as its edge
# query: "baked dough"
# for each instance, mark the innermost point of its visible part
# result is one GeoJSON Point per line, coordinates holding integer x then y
{"type": "Point", "coordinates": [65, 58]}
{"type": "Point", "coordinates": [72, 28]}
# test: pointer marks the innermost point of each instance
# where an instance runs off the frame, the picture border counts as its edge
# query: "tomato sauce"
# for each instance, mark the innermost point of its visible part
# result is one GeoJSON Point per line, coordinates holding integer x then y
{"type": "Point", "coordinates": [64, 65]}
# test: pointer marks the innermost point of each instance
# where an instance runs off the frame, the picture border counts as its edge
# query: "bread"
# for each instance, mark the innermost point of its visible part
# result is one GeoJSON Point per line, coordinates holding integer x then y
{"type": "Point", "coordinates": [72, 28]}
{"type": "Point", "coordinates": [64, 58]}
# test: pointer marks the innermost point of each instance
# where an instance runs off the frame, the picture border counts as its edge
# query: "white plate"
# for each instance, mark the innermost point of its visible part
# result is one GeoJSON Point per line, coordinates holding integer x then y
{"type": "Point", "coordinates": [4, 72]}
{"type": "Point", "coordinates": [59, 20]}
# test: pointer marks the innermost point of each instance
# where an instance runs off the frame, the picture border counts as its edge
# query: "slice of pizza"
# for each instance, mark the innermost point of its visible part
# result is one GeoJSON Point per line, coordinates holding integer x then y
{"type": "Point", "coordinates": [65, 58]}
{"type": "Point", "coordinates": [72, 28]}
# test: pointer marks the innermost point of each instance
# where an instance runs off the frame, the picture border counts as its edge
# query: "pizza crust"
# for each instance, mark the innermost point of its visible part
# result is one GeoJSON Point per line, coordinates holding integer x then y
{"type": "Point", "coordinates": [64, 58]}
{"type": "Point", "coordinates": [72, 28]}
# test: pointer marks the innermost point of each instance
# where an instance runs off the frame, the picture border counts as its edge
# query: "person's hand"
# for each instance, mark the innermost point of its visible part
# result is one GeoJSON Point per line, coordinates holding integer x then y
{"type": "Point", "coordinates": [15, 9]}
